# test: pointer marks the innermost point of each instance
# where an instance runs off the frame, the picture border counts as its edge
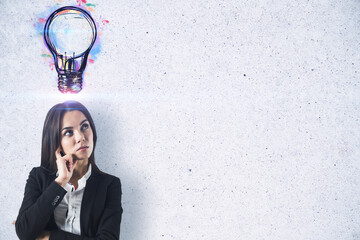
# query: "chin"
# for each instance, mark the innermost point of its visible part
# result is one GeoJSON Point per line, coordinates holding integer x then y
{"type": "Point", "coordinates": [80, 157]}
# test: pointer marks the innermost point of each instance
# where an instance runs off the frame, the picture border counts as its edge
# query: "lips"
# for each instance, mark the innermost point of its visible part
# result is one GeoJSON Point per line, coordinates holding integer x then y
{"type": "Point", "coordinates": [83, 148]}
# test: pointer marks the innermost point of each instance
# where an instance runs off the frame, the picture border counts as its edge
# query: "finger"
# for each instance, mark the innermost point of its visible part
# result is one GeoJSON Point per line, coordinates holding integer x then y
{"type": "Point", "coordinates": [64, 160]}
{"type": "Point", "coordinates": [67, 158]}
{"type": "Point", "coordinates": [57, 153]}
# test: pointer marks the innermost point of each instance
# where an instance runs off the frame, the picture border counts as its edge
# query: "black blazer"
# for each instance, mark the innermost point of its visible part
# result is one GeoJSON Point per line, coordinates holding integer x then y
{"type": "Point", "coordinates": [100, 214]}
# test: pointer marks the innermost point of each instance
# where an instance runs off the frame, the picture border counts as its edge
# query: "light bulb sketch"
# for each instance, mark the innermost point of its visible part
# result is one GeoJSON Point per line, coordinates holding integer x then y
{"type": "Point", "coordinates": [70, 33]}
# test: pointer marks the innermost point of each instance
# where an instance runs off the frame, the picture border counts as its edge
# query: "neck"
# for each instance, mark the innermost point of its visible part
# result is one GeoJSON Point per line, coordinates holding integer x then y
{"type": "Point", "coordinates": [80, 169]}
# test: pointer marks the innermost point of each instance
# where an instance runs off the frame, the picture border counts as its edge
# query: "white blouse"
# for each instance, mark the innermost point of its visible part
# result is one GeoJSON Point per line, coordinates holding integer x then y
{"type": "Point", "coordinates": [67, 213]}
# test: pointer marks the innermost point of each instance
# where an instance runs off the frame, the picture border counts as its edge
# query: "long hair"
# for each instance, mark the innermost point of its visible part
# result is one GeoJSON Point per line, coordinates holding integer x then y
{"type": "Point", "coordinates": [51, 137]}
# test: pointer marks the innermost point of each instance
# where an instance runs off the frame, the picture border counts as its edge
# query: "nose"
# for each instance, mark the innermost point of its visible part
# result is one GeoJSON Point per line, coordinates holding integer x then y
{"type": "Point", "coordinates": [79, 136]}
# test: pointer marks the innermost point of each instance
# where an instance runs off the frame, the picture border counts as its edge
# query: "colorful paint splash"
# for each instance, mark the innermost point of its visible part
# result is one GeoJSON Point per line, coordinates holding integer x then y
{"type": "Point", "coordinates": [41, 20]}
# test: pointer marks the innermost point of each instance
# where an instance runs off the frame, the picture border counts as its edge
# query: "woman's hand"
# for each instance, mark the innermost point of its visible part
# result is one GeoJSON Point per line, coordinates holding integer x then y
{"type": "Point", "coordinates": [44, 235]}
{"type": "Point", "coordinates": [65, 166]}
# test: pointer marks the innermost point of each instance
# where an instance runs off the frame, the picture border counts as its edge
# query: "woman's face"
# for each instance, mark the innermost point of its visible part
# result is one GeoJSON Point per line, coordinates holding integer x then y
{"type": "Point", "coordinates": [76, 135]}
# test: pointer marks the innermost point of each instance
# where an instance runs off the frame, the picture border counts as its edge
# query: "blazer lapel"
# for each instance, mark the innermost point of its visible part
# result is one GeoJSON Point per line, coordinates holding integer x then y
{"type": "Point", "coordinates": [87, 203]}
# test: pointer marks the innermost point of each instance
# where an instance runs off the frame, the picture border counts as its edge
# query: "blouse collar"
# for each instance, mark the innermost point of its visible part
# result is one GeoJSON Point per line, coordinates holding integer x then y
{"type": "Point", "coordinates": [81, 181]}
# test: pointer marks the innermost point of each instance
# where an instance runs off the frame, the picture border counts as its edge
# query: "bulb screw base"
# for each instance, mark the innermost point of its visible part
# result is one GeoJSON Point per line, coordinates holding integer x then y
{"type": "Point", "coordinates": [70, 83]}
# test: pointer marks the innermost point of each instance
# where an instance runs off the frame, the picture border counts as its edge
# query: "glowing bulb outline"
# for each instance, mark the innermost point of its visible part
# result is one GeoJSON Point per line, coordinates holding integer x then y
{"type": "Point", "coordinates": [68, 63]}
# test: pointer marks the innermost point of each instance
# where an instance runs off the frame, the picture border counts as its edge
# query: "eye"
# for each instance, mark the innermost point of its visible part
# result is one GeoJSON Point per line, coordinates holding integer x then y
{"type": "Point", "coordinates": [68, 133]}
{"type": "Point", "coordinates": [84, 126]}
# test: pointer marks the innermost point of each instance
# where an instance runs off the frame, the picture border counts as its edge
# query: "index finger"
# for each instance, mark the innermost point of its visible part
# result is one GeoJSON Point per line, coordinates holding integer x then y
{"type": "Point", "coordinates": [57, 153]}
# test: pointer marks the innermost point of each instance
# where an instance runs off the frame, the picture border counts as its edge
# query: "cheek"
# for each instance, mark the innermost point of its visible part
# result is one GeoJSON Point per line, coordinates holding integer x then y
{"type": "Point", "coordinates": [90, 137]}
{"type": "Point", "coordinates": [66, 144]}
{"type": "Point", "coordinates": [91, 143]}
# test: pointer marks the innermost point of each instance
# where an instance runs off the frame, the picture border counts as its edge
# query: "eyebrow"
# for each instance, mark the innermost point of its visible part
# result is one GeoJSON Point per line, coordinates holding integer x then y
{"type": "Point", "coordinates": [72, 127]}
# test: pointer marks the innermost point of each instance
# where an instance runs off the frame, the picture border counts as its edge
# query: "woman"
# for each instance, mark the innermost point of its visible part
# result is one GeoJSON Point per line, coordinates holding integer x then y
{"type": "Point", "coordinates": [68, 197]}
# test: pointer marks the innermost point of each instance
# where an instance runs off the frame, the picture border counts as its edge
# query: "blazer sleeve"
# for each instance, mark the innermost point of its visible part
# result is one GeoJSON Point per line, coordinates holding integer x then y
{"type": "Point", "coordinates": [37, 206]}
{"type": "Point", "coordinates": [109, 225]}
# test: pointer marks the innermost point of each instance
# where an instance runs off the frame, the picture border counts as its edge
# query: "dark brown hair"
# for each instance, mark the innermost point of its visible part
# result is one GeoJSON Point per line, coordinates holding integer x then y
{"type": "Point", "coordinates": [51, 133]}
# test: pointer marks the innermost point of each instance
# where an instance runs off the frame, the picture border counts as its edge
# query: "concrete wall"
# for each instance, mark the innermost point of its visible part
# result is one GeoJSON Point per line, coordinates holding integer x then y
{"type": "Point", "coordinates": [223, 119]}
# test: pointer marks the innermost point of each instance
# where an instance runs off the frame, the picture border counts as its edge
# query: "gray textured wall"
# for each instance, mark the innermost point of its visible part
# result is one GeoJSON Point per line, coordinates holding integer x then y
{"type": "Point", "coordinates": [223, 119]}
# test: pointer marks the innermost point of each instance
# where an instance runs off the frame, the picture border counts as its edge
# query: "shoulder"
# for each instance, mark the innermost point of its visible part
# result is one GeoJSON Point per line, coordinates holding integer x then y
{"type": "Point", "coordinates": [39, 176]}
{"type": "Point", "coordinates": [106, 179]}
{"type": "Point", "coordinates": [40, 171]}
